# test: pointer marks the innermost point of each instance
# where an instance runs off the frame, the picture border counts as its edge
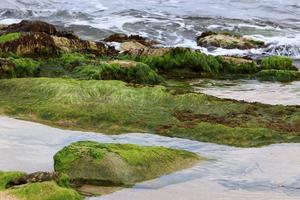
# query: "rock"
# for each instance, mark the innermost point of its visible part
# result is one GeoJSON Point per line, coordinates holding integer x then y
{"type": "Point", "coordinates": [227, 41]}
{"type": "Point", "coordinates": [2, 26]}
{"type": "Point", "coordinates": [132, 46]}
{"type": "Point", "coordinates": [34, 178]}
{"type": "Point", "coordinates": [120, 38]}
{"type": "Point", "coordinates": [30, 26]}
{"type": "Point", "coordinates": [41, 44]}
{"type": "Point", "coordinates": [137, 49]}
{"type": "Point", "coordinates": [7, 68]}
{"type": "Point", "coordinates": [238, 65]}
{"type": "Point", "coordinates": [278, 75]}
{"type": "Point", "coordinates": [94, 163]}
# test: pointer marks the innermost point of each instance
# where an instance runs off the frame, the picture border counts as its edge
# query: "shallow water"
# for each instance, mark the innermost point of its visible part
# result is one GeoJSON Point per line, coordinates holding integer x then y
{"type": "Point", "coordinates": [231, 173]}
{"type": "Point", "coordinates": [251, 90]}
{"type": "Point", "coordinates": [172, 22]}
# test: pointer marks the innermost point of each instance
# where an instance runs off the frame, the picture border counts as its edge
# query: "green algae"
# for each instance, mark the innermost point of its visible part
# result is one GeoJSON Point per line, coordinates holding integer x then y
{"type": "Point", "coordinates": [44, 191]}
{"type": "Point", "coordinates": [9, 37]}
{"type": "Point", "coordinates": [278, 63]}
{"type": "Point", "coordinates": [278, 75]}
{"type": "Point", "coordinates": [6, 177]}
{"type": "Point", "coordinates": [112, 107]}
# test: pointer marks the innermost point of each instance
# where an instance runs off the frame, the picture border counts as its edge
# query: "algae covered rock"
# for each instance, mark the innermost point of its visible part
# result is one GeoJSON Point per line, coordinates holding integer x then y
{"type": "Point", "coordinates": [36, 38]}
{"type": "Point", "coordinates": [278, 75]}
{"type": "Point", "coordinates": [42, 191]}
{"type": "Point", "coordinates": [118, 164]}
{"type": "Point", "coordinates": [237, 65]}
{"type": "Point", "coordinates": [7, 177]}
{"type": "Point", "coordinates": [227, 41]}
{"type": "Point", "coordinates": [278, 63]}
{"type": "Point", "coordinates": [128, 71]}
{"type": "Point", "coordinates": [35, 186]}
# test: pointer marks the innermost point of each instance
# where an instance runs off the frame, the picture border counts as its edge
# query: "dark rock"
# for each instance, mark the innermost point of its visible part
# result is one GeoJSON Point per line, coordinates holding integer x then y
{"type": "Point", "coordinates": [32, 44]}
{"type": "Point", "coordinates": [36, 177]}
{"type": "Point", "coordinates": [31, 26]}
{"type": "Point", "coordinates": [119, 37]}
{"type": "Point", "coordinates": [38, 44]}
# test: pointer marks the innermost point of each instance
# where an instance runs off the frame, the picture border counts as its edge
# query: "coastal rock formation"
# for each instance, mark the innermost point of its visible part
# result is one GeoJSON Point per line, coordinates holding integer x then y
{"type": "Point", "coordinates": [35, 38]}
{"type": "Point", "coordinates": [227, 41]}
{"type": "Point", "coordinates": [118, 164]}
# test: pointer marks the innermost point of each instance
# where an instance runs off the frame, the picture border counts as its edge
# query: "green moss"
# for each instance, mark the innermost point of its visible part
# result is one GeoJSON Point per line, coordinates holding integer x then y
{"type": "Point", "coordinates": [6, 177]}
{"type": "Point", "coordinates": [44, 191]}
{"type": "Point", "coordinates": [64, 180]}
{"type": "Point", "coordinates": [278, 62]}
{"type": "Point", "coordinates": [9, 37]}
{"type": "Point", "coordinates": [26, 67]}
{"type": "Point", "coordinates": [243, 67]}
{"type": "Point", "coordinates": [180, 58]}
{"type": "Point", "coordinates": [119, 164]}
{"type": "Point", "coordinates": [278, 75]}
{"type": "Point", "coordinates": [140, 73]}
{"type": "Point", "coordinates": [65, 63]}
{"type": "Point", "coordinates": [112, 107]}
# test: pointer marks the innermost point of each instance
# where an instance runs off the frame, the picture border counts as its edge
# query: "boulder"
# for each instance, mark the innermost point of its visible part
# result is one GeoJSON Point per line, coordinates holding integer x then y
{"type": "Point", "coordinates": [227, 41]}
{"type": "Point", "coordinates": [94, 163]}
{"type": "Point", "coordinates": [120, 38]}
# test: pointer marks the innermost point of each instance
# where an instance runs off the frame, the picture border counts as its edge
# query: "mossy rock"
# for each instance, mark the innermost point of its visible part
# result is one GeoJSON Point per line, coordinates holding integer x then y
{"type": "Point", "coordinates": [39, 39]}
{"type": "Point", "coordinates": [6, 177]}
{"type": "Point", "coordinates": [278, 75]}
{"type": "Point", "coordinates": [182, 58]}
{"type": "Point", "coordinates": [128, 71]}
{"type": "Point", "coordinates": [227, 41]}
{"type": "Point", "coordinates": [236, 65]}
{"type": "Point", "coordinates": [118, 164]}
{"type": "Point", "coordinates": [42, 191]}
{"type": "Point", "coordinates": [278, 63]}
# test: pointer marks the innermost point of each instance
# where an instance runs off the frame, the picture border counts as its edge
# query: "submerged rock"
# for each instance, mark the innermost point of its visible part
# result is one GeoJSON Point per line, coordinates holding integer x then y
{"type": "Point", "coordinates": [118, 164]}
{"type": "Point", "coordinates": [227, 41]}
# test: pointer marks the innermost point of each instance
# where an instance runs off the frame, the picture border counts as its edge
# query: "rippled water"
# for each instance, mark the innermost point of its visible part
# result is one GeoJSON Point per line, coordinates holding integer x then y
{"type": "Point", "coordinates": [173, 22]}
{"type": "Point", "coordinates": [230, 174]}
{"type": "Point", "coordinates": [251, 90]}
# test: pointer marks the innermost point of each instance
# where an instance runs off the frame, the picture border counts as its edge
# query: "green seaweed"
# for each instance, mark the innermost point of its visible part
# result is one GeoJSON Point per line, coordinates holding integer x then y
{"type": "Point", "coordinates": [44, 191]}
{"type": "Point", "coordinates": [9, 37]}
